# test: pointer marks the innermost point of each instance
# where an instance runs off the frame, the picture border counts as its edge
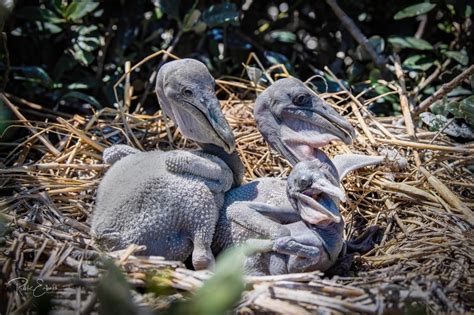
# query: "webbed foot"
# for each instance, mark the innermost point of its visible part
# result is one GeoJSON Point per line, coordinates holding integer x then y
{"type": "Point", "coordinates": [117, 152]}
{"type": "Point", "coordinates": [216, 174]}
{"type": "Point", "coordinates": [203, 259]}
{"type": "Point", "coordinates": [108, 238]}
{"type": "Point", "coordinates": [364, 242]}
{"type": "Point", "coordinates": [289, 246]}
{"type": "Point", "coordinates": [301, 264]}
{"type": "Point", "coordinates": [342, 266]}
{"type": "Point", "coordinates": [394, 159]}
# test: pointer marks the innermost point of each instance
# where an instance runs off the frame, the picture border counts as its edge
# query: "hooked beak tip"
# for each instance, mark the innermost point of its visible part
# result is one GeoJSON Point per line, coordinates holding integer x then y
{"type": "Point", "coordinates": [342, 197]}
{"type": "Point", "coordinates": [352, 135]}
{"type": "Point", "coordinates": [339, 194]}
{"type": "Point", "coordinates": [229, 148]}
{"type": "Point", "coordinates": [228, 140]}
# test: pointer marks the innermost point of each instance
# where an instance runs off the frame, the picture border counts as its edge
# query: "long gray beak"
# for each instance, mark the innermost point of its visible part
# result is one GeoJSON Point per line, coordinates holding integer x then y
{"type": "Point", "coordinates": [204, 122]}
{"type": "Point", "coordinates": [327, 113]}
{"type": "Point", "coordinates": [325, 120]}
{"type": "Point", "coordinates": [320, 203]}
{"type": "Point", "coordinates": [221, 126]}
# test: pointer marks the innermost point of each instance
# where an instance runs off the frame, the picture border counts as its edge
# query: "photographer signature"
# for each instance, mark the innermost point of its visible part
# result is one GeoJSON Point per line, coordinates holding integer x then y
{"type": "Point", "coordinates": [37, 287]}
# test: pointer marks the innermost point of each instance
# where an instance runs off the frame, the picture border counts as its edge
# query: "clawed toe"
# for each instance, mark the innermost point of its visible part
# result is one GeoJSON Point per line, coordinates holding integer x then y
{"type": "Point", "coordinates": [108, 239]}
{"type": "Point", "coordinates": [299, 264]}
{"type": "Point", "coordinates": [203, 260]}
{"type": "Point", "coordinates": [289, 246]}
{"type": "Point", "coordinates": [342, 266]}
{"type": "Point", "coordinates": [363, 243]}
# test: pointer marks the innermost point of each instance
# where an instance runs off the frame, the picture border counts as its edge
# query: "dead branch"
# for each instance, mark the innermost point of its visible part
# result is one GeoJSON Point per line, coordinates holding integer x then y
{"type": "Point", "coordinates": [443, 90]}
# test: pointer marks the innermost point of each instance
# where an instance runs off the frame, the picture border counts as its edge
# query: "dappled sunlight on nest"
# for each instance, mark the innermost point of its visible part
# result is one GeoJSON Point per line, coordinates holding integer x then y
{"type": "Point", "coordinates": [424, 253]}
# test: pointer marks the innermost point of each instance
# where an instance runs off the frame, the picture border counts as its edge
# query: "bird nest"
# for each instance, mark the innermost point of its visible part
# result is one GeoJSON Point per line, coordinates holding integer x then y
{"type": "Point", "coordinates": [423, 259]}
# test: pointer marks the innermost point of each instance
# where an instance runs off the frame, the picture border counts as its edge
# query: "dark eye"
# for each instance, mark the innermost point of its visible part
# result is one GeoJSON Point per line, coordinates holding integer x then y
{"type": "Point", "coordinates": [187, 92]}
{"type": "Point", "coordinates": [330, 173]}
{"type": "Point", "coordinates": [301, 99]}
{"type": "Point", "coordinates": [304, 181]}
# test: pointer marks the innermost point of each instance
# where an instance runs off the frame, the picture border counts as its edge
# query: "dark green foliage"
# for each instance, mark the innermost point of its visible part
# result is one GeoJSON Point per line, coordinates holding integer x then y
{"type": "Point", "coordinates": [455, 118]}
{"type": "Point", "coordinates": [68, 54]}
{"type": "Point", "coordinates": [113, 293]}
{"type": "Point", "coordinates": [409, 42]}
{"type": "Point", "coordinates": [221, 14]}
{"type": "Point", "coordinates": [221, 292]}
{"type": "Point", "coordinates": [414, 10]}
{"type": "Point", "coordinates": [217, 296]}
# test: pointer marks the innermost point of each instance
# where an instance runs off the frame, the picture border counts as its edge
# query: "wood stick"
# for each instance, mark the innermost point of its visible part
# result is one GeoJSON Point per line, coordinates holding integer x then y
{"type": "Point", "coordinates": [52, 166]}
{"type": "Point", "coordinates": [357, 34]}
{"type": "Point", "coordinates": [443, 90]}
{"type": "Point", "coordinates": [448, 195]}
{"type": "Point", "coordinates": [426, 146]}
{"type": "Point", "coordinates": [356, 110]}
{"type": "Point", "coordinates": [435, 74]}
{"type": "Point", "coordinates": [81, 135]}
{"type": "Point", "coordinates": [404, 104]}
{"type": "Point", "coordinates": [32, 129]}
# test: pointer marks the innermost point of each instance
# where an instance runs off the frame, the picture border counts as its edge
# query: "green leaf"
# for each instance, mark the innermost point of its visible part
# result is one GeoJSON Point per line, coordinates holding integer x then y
{"type": "Point", "coordinates": [439, 107]}
{"type": "Point", "coordinates": [451, 9]}
{"type": "Point", "coordinates": [219, 14]}
{"type": "Point", "coordinates": [466, 106]}
{"type": "Point", "coordinates": [468, 11]}
{"type": "Point", "coordinates": [38, 14]}
{"type": "Point", "coordinates": [49, 27]}
{"type": "Point", "coordinates": [221, 292]}
{"type": "Point", "coordinates": [6, 8]}
{"type": "Point", "coordinates": [158, 13]}
{"type": "Point", "coordinates": [377, 42]}
{"type": "Point", "coordinates": [277, 58]}
{"type": "Point", "coordinates": [35, 73]}
{"type": "Point", "coordinates": [390, 98]}
{"type": "Point", "coordinates": [170, 7]}
{"type": "Point", "coordinates": [356, 70]}
{"type": "Point", "coordinates": [81, 96]}
{"type": "Point", "coordinates": [449, 126]}
{"type": "Point", "coordinates": [414, 10]}
{"type": "Point", "coordinates": [86, 42]}
{"type": "Point", "coordinates": [225, 288]}
{"type": "Point", "coordinates": [65, 63]}
{"type": "Point", "coordinates": [410, 42]}
{"type": "Point", "coordinates": [159, 282]}
{"type": "Point", "coordinates": [83, 57]}
{"type": "Point", "coordinates": [454, 108]}
{"type": "Point", "coordinates": [446, 27]}
{"type": "Point", "coordinates": [191, 22]}
{"type": "Point", "coordinates": [374, 76]}
{"type": "Point", "coordinates": [435, 122]}
{"type": "Point", "coordinates": [113, 292]}
{"type": "Point", "coordinates": [5, 121]}
{"type": "Point", "coordinates": [283, 36]}
{"type": "Point", "coordinates": [459, 91]}
{"type": "Point", "coordinates": [59, 6]}
{"type": "Point", "coordinates": [78, 9]}
{"type": "Point", "coordinates": [418, 62]}
{"type": "Point", "coordinates": [78, 86]}
{"type": "Point", "coordinates": [458, 56]}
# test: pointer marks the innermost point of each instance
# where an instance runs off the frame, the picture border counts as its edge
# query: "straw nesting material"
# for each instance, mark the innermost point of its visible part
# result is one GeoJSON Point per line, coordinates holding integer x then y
{"type": "Point", "coordinates": [425, 254]}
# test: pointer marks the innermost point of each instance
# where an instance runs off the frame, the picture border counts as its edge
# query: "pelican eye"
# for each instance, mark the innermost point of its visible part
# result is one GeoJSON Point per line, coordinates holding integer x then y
{"type": "Point", "coordinates": [304, 181]}
{"type": "Point", "coordinates": [187, 92]}
{"type": "Point", "coordinates": [301, 99]}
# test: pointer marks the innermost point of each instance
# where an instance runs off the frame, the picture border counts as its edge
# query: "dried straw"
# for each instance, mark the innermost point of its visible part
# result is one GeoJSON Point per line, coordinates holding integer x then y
{"type": "Point", "coordinates": [425, 256]}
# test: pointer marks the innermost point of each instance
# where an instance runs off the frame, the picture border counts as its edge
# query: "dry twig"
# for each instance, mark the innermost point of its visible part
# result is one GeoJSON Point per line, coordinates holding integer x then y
{"type": "Point", "coordinates": [443, 90]}
{"type": "Point", "coordinates": [425, 254]}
